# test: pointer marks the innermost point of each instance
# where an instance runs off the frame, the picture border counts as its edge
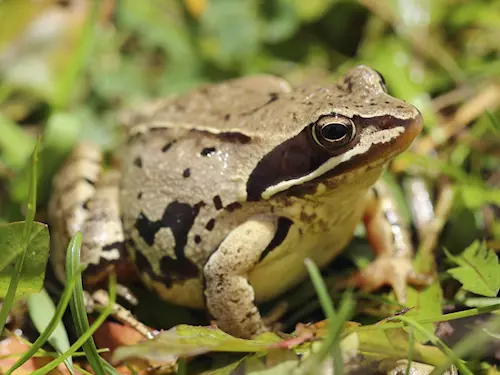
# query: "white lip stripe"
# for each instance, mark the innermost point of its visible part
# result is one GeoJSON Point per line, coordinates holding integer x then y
{"type": "Point", "coordinates": [369, 138]}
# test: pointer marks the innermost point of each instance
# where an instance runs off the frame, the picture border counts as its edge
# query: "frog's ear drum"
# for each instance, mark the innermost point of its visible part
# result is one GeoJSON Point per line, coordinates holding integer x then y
{"type": "Point", "coordinates": [333, 131]}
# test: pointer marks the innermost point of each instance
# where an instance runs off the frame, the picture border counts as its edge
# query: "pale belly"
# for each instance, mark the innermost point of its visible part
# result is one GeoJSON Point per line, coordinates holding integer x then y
{"type": "Point", "coordinates": [284, 268]}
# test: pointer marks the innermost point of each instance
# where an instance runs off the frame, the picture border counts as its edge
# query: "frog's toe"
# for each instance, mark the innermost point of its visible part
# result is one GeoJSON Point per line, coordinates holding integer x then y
{"type": "Point", "coordinates": [396, 272]}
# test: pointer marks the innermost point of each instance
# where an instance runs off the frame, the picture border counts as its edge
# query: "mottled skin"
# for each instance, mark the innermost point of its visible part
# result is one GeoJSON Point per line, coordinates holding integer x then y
{"type": "Point", "coordinates": [226, 190]}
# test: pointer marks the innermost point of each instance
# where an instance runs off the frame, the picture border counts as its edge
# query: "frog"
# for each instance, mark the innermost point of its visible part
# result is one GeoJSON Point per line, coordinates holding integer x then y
{"type": "Point", "coordinates": [220, 194]}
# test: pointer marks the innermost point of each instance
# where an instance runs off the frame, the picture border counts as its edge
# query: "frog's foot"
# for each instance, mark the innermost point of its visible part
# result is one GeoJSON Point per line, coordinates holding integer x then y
{"type": "Point", "coordinates": [386, 270]}
{"type": "Point", "coordinates": [100, 300]}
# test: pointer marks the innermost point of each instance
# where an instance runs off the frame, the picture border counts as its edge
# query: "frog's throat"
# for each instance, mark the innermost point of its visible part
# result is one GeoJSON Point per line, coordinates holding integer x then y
{"type": "Point", "coordinates": [370, 137]}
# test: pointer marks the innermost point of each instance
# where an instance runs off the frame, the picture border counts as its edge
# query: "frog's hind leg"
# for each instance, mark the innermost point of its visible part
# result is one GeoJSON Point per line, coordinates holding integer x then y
{"type": "Point", "coordinates": [390, 240]}
{"type": "Point", "coordinates": [85, 199]}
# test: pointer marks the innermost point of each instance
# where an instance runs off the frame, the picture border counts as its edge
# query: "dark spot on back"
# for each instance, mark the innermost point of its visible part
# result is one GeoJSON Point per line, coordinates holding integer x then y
{"type": "Point", "coordinates": [173, 270]}
{"type": "Point", "coordinates": [186, 173]}
{"type": "Point", "coordinates": [147, 229]}
{"type": "Point", "coordinates": [210, 224]}
{"type": "Point", "coordinates": [227, 117]}
{"type": "Point", "coordinates": [284, 225]}
{"type": "Point", "coordinates": [207, 151]}
{"type": "Point", "coordinates": [179, 217]}
{"type": "Point", "coordinates": [89, 181]}
{"type": "Point", "coordinates": [217, 202]}
{"type": "Point", "coordinates": [273, 96]}
{"type": "Point", "coordinates": [138, 162]}
{"type": "Point", "coordinates": [234, 137]}
{"type": "Point", "coordinates": [233, 206]}
{"type": "Point", "coordinates": [85, 204]}
{"type": "Point", "coordinates": [166, 147]}
{"type": "Point", "coordinates": [349, 83]}
{"type": "Point", "coordinates": [139, 195]}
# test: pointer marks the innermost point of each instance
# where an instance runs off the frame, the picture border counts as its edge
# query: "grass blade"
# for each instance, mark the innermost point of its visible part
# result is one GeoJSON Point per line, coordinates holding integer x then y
{"type": "Point", "coordinates": [436, 341]}
{"type": "Point", "coordinates": [28, 225]}
{"type": "Point", "coordinates": [411, 348]}
{"type": "Point", "coordinates": [42, 310]}
{"type": "Point", "coordinates": [87, 335]}
{"type": "Point", "coordinates": [79, 313]}
{"type": "Point", "coordinates": [335, 323]}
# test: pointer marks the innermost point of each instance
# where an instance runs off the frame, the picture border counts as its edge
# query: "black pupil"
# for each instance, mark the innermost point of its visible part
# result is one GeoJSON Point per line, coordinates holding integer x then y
{"type": "Point", "coordinates": [334, 132]}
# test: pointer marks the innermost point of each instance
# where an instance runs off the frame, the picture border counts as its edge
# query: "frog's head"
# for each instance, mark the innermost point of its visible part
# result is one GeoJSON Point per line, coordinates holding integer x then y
{"type": "Point", "coordinates": [331, 131]}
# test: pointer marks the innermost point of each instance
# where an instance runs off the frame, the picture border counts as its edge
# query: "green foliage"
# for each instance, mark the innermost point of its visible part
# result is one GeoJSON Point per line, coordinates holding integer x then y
{"type": "Point", "coordinates": [77, 304]}
{"type": "Point", "coordinates": [478, 271]}
{"type": "Point", "coordinates": [25, 250]}
{"type": "Point", "coordinates": [37, 253]}
{"type": "Point", "coordinates": [42, 310]}
{"type": "Point", "coordinates": [184, 340]}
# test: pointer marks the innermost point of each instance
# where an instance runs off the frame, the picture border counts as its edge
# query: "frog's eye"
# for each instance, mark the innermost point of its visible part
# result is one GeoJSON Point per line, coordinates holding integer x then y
{"type": "Point", "coordinates": [333, 131]}
{"type": "Point", "coordinates": [382, 81]}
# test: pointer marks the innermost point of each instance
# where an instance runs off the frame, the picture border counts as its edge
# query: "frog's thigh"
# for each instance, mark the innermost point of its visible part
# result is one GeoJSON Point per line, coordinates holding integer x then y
{"type": "Point", "coordinates": [229, 296]}
{"type": "Point", "coordinates": [102, 230]}
{"type": "Point", "coordinates": [85, 199]}
{"type": "Point", "coordinates": [386, 230]}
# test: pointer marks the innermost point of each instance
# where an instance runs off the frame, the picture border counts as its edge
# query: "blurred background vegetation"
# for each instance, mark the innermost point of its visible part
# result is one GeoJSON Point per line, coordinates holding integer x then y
{"type": "Point", "coordinates": [69, 68]}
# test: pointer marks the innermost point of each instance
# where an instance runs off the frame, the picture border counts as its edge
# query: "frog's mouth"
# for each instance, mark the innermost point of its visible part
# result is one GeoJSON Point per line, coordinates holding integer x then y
{"type": "Point", "coordinates": [380, 139]}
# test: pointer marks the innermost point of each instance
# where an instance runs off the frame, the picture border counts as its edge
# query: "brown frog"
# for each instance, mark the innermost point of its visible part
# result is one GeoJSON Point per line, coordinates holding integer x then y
{"type": "Point", "coordinates": [223, 192]}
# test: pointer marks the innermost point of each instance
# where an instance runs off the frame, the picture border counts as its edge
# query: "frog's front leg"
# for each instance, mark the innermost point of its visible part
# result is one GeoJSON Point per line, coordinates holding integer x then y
{"type": "Point", "coordinates": [390, 239]}
{"type": "Point", "coordinates": [229, 296]}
